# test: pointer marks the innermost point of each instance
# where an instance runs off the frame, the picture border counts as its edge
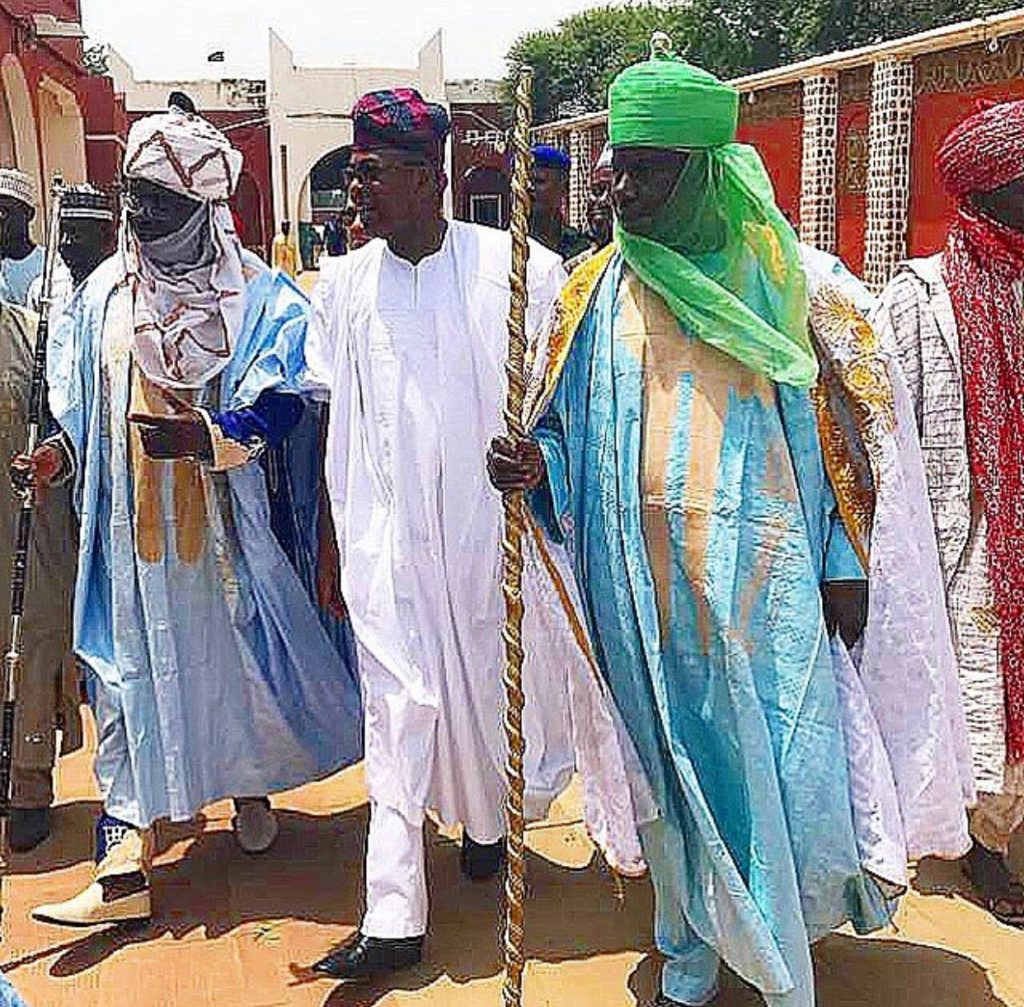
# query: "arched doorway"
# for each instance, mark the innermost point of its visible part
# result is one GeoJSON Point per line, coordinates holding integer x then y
{"type": "Point", "coordinates": [328, 184]}
{"type": "Point", "coordinates": [23, 126]}
{"type": "Point", "coordinates": [7, 155]}
{"type": "Point", "coordinates": [61, 134]}
{"type": "Point", "coordinates": [484, 197]}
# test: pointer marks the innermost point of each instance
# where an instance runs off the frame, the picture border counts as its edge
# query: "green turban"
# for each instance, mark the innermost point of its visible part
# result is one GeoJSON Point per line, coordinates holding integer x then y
{"type": "Point", "coordinates": [720, 253]}
{"type": "Point", "coordinates": [666, 102]}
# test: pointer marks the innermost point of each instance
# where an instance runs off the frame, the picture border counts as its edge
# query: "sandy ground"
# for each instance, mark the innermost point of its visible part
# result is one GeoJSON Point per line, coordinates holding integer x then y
{"type": "Point", "coordinates": [234, 930]}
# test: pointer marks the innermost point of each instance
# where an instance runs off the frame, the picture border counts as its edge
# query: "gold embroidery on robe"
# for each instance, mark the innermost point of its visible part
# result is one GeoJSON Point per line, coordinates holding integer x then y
{"type": "Point", "coordinates": [569, 311]}
{"type": "Point", "coordinates": [667, 355]}
{"type": "Point", "coordinates": [189, 523]}
{"type": "Point", "coordinates": [853, 401]}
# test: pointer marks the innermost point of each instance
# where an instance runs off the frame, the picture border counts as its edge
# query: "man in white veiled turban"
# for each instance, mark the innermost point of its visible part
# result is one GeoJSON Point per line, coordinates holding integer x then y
{"type": "Point", "coordinates": [172, 376]}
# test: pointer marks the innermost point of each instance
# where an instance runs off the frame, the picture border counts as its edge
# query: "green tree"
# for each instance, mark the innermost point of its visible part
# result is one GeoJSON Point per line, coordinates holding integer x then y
{"type": "Point", "coordinates": [575, 61]}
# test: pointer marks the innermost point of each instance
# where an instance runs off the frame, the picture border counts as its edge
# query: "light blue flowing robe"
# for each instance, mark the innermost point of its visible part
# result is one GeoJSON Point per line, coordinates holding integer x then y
{"type": "Point", "coordinates": [217, 677]}
{"type": "Point", "coordinates": [729, 697]}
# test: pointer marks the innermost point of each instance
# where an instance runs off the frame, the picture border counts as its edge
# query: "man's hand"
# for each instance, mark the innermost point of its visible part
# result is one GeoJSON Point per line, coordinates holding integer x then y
{"type": "Point", "coordinates": [181, 436]}
{"type": "Point", "coordinates": [37, 471]}
{"type": "Point", "coordinates": [846, 608]}
{"type": "Point", "coordinates": [515, 465]}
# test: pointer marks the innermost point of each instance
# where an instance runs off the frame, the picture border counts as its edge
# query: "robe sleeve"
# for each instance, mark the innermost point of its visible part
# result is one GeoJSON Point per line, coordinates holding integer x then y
{"type": "Point", "coordinates": [897, 321]}
{"type": "Point", "coordinates": [551, 501]}
{"type": "Point", "coordinates": [67, 374]}
{"type": "Point", "coordinates": [841, 560]}
{"type": "Point", "coordinates": [270, 419]}
{"type": "Point", "coordinates": [322, 334]}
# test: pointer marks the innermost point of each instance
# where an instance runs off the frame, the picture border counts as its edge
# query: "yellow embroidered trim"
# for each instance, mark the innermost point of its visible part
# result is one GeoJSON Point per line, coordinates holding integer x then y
{"type": "Point", "coordinates": [569, 311]}
{"type": "Point", "coordinates": [188, 491]}
{"type": "Point", "coordinates": [854, 377]}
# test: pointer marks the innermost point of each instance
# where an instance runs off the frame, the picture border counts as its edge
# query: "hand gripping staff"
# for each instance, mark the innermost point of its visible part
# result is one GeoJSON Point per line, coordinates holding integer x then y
{"type": "Point", "coordinates": [512, 549]}
{"type": "Point", "coordinates": [12, 660]}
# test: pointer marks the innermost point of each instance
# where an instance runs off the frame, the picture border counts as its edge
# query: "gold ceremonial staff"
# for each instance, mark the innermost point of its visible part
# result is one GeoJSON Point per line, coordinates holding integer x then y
{"type": "Point", "coordinates": [19, 574]}
{"type": "Point", "coordinates": [512, 548]}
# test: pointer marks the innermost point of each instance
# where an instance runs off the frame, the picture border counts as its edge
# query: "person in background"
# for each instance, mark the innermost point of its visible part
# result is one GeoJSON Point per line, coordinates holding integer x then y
{"type": "Point", "coordinates": [600, 214]}
{"type": "Point", "coordinates": [47, 688]}
{"type": "Point", "coordinates": [21, 259]}
{"type": "Point", "coordinates": [958, 323]}
{"type": "Point", "coordinates": [285, 253]}
{"type": "Point", "coordinates": [550, 191]}
{"type": "Point", "coordinates": [334, 236]}
{"type": "Point", "coordinates": [86, 239]}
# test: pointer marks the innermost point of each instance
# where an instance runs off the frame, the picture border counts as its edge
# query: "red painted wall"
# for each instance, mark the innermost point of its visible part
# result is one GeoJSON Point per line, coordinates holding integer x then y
{"type": "Point", "coordinates": [61, 61]}
{"type": "Point", "coordinates": [472, 122]}
{"type": "Point", "coordinates": [780, 144]}
{"type": "Point", "coordinates": [934, 116]}
{"type": "Point", "coordinates": [851, 197]}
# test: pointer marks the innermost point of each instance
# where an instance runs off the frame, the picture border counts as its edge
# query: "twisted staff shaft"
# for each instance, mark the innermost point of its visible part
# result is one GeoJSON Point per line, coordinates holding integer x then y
{"type": "Point", "coordinates": [512, 548]}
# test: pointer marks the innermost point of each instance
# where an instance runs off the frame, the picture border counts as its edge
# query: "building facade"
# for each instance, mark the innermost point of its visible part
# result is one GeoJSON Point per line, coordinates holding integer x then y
{"type": "Point", "coordinates": [479, 141]}
{"type": "Point", "coordinates": [55, 116]}
{"type": "Point", "coordinates": [850, 139]}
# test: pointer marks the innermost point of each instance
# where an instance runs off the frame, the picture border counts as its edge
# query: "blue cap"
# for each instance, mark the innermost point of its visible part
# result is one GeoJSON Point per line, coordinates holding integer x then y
{"type": "Point", "coordinates": [550, 157]}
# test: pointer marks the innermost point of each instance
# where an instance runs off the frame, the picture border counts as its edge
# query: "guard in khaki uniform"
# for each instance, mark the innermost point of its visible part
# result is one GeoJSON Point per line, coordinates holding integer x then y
{"type": "Point", "coordinates": [47, 692]}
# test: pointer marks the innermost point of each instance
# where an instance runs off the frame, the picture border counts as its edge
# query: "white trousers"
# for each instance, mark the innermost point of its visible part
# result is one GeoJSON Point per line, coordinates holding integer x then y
{"type": "Point", "coordinates": [396, 876]}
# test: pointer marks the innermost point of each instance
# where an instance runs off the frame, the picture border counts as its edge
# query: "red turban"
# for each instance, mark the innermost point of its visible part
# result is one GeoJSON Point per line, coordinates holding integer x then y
{"type": "Point", "coordinates": [985, 151]}
{"type": "Point", "coordinates": [983, 261]}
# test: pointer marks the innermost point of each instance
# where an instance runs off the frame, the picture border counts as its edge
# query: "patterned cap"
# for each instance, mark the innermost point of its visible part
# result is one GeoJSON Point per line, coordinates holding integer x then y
{"type": "Point", "coordinates": [85, 202]}
{"type": "Point", "coordinates": [401, 118]}
{"type": "Point", "coordinates": [17, 185]}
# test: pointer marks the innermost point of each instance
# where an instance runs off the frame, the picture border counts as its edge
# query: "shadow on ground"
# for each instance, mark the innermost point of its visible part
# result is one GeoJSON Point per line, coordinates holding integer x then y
{"type": "Point", "coordinates": [861, 973]}
{"type": "Point", "coordinates": [311, 876]}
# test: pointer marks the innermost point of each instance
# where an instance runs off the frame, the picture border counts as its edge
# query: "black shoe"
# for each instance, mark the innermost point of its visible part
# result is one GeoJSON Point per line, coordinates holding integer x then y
{"type": "Point", "coordinates": [362, 957]}
{"type": "Point", "coordinates": [479, 862]}
{"type": "Point", "coordinates": [28, 827]}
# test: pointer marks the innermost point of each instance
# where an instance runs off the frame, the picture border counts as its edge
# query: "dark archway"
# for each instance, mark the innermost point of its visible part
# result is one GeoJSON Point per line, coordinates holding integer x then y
{"type": "Point", "coordinates": [485, 196]}
{"type": "Point", "coordinates": [328, 184]}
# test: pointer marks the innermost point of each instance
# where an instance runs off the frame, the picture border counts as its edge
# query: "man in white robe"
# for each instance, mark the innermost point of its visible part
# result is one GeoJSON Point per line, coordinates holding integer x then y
{"type": "Point", "coordinates": [409, 337]}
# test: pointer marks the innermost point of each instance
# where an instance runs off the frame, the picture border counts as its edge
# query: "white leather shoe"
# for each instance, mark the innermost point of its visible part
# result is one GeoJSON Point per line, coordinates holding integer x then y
{"type": "Point", "coordinates": [255, 824]}
{"type": "Point", "coordinates": [89, 909]}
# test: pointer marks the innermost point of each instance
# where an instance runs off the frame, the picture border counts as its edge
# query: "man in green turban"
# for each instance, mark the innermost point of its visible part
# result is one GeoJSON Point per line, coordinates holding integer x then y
{"type": "Point", "coordinates": [677, 452]}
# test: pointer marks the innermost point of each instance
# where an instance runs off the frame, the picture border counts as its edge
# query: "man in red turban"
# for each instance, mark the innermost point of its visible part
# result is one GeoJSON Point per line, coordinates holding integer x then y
{"type": "Point", "coordinates": [958, 319]}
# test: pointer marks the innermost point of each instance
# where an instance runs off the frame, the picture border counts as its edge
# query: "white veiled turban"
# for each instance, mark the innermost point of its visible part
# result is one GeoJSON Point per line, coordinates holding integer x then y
{"type": "Point", "coordinates": [186, 322]}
